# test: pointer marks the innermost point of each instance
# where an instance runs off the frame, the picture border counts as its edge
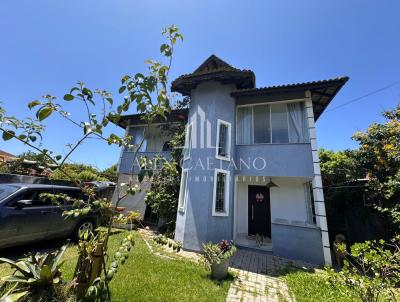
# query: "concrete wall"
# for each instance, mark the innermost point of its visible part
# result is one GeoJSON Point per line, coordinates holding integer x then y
{"type": "Point", "coordinates": [298, 242]}
{"type": "Point", "coordinates": [287, 202]}
{"type": "Point", "coordinates": [318, 193]}
{"type": "Point", "coordinates": [131, 203]}
{"type": "Point", "coordinates": [293, 160]}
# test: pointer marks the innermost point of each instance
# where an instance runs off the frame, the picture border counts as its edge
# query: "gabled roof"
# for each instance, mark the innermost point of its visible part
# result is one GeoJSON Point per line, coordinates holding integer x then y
{"type": "Point", "coordinates": [177, 115]}
{"type": "Point", "coordinates": [215, 69]}
{"type": "Point", "coordinates": [322, 92]}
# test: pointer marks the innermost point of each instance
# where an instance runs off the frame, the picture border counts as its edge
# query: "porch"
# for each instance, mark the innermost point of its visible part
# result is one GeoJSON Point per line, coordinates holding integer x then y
{"type": "Point", "coordinates": [277, 218]}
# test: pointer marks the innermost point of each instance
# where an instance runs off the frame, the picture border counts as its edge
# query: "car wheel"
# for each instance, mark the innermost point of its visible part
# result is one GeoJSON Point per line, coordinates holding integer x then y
{"type": "Point", "coordinates": [83, 227]}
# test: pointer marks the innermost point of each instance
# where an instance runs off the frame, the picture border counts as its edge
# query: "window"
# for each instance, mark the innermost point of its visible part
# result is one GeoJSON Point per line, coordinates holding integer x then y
{"type": "Point", "coordinates": [188, 141]}
{"type": "Point", "coordinates": [137, 134]}
{"type": "Point", "coordinates": [262, 124]}
{"type": "Point", "coordinates": [183, 191]}
{"type": "Point", "coordinates": [279, 123]}
{"type": "Point", "coordinates": [221, 193]}
{"type": "Point", "coordinates": [33, 196]}
{"type": "Point", "coordinates": [272, 123]}
{"type": "Point", "coordinates": [223, 145]}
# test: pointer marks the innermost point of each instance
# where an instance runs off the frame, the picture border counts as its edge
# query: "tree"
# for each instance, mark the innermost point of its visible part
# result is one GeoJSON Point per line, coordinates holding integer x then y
{"type": "Point", "coordinates": [379, 154]}
{"type": "Point", "coordinates": [110, 173]}
{"type": "Point", "coordinates": [164, 191]}
{"type": "Point", "coordinates": [149, 94]}
{"type": "Point", "coordinates": [27, 163]}
{"type": "Point", "coordinates": [371, 269]}
{"type": "Point", "coordinates": [338, 167]}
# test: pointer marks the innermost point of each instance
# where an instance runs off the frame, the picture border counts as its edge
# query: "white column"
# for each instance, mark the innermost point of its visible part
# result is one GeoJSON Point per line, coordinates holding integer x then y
{"type": "Point", "coordinates": [318, 193]}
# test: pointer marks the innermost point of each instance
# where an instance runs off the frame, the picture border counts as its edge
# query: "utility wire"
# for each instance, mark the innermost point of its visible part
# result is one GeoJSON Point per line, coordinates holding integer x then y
{"type": "Point", "coordinates": [363, 96]}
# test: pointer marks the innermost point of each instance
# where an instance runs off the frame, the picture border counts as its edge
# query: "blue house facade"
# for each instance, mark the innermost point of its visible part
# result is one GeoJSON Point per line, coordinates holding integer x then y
{"type": "Point", "coordinates": [251, 171]}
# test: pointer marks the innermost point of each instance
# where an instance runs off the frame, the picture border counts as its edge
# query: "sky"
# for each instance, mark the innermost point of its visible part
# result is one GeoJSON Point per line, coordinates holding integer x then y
{"type": "Point", "coordinates": [46, 46]}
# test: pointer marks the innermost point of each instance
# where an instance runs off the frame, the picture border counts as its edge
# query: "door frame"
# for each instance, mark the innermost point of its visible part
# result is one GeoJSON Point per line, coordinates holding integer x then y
{"type": "Point", "coordinates": [268, 208]}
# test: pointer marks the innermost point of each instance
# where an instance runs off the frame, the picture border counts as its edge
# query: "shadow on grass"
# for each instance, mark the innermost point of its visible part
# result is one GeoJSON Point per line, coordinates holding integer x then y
{"type": "Point", "coordinates": [230, 278]}
{"type": "Point", "coordinates": [21, 251]}
{"type": "Point", "coordinates": [290, 269]}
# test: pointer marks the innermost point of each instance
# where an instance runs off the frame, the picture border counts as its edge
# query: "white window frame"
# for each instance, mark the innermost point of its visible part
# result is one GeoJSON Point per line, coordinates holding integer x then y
{"type": "Point", "coordinates": [227, 187]}
{"type": "Point", "coordinates": [183, 193]}
{"type": "Point", "coordinates": [228, 157]}
{"type": "Point", "coordinates": [188, 141]}
{"type": "Point", "coordinates": [270, 120]}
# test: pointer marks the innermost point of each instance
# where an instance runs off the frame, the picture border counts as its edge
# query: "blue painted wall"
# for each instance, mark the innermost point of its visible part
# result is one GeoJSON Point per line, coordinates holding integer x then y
{"type": "Point", "coordinates": [197, 225]}
{"type": "Point", "coordinates": [296, 242]}
{"type": "Point", "coordinates": [293, 160]}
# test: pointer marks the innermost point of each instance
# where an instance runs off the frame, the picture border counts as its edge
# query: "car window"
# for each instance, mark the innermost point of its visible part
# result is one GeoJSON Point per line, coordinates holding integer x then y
{"type": "Point", "coordinates": [33, 195]}
{"type": "Point", "coordinates": [7, 190]}
{"type": "Point", "coordinates": [76, 194]}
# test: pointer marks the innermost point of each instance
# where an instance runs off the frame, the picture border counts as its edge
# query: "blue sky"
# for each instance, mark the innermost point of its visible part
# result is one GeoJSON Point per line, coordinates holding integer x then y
{"type": "Point", "coordinates": [46, 46]}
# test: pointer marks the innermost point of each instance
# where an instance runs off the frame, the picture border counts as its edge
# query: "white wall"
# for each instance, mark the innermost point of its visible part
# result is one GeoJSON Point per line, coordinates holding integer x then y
{"type": "Point", "coordinates": [287, 202]}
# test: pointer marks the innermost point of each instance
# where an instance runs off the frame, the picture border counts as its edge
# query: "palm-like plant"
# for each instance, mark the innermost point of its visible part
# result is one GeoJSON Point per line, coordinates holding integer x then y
{"type": "Point", "coordinates": [35, 275]}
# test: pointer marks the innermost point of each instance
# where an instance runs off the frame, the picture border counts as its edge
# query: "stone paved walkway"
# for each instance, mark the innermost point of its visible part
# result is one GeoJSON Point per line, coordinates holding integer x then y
{"type": "Point", "coordinates": [257, 279]}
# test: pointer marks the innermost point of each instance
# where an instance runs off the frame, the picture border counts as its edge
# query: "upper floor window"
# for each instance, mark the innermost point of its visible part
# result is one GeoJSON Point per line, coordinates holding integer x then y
{"type": "Point", "coordinates": [147, 139]}
{"type": "Point", "coordinates": [271, 123]}
{"type": "Point", "coordinates": [188, 141]}
{"type": "Point", "coordinates": [221, 193]}
{"type": "Point", "coordinates": [223, 145]}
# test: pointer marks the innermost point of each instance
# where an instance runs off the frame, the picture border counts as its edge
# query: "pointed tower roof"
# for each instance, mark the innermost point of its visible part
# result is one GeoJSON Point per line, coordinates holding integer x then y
{"type": "Point", "coordinates": [214, 69]}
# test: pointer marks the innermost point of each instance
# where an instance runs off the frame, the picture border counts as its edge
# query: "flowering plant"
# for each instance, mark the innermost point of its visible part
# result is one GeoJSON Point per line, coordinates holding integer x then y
{"type": "Point", "coordinates": [215, 253]}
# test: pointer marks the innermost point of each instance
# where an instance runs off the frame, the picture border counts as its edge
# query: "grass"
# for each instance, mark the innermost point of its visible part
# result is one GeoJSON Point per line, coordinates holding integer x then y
{"type": "Point", "coordinates": [309, 286]}
{"type": "Point", "coordinates": [147, 277]}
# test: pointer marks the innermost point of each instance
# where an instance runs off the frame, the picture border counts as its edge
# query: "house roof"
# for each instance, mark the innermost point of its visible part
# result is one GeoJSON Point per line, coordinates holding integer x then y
{"type": "Point", "coordinates": [322, 92]}
{"type": "Point", "coordinates": [6, 154]}
{"type": "Point", "coordinates": [177, 115]}
{"type": "Point", "coordinates": [215, 69]}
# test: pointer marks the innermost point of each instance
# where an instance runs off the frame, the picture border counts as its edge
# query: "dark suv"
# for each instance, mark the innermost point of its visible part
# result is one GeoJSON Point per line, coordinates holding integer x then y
{"type": "Point", "coordinates": [25, 218]}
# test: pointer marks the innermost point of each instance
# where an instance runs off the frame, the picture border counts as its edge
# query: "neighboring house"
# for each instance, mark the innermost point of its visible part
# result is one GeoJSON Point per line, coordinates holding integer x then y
{"type": "Point", "coordinates": [251, 171]}
{"type": "Point", "coordinates": [155, 143]}
{"type": "Point", "coordinates": [4, 156]}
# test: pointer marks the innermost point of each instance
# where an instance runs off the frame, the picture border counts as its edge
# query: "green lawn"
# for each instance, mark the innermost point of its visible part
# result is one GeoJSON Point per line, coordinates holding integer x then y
{"type": "Point", "coordinates": [147, 277]}
{"type": "Point", "coordinates": [312, 286]}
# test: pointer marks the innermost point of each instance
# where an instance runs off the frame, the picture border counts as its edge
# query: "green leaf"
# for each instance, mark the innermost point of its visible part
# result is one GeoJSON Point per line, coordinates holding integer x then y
{"type": "Point", "coordinates": [44, 113]}
{"type": "Point", "coordinates": [141, 175]}
{"type": "Point", "coordinates": [8, 134]}
{"type": "Point", "coordinates": [13, 297]}
{"type": "Point", "coordinates": [68, 97]}
{"type": "Point", "coordinates": [45, 273]}
{"type": "Point", "coordinates": [122, 89]}
{"type": "Point", "coordinates": [33, 104]}
{"type": "Point", "coordinates": [58, 157]}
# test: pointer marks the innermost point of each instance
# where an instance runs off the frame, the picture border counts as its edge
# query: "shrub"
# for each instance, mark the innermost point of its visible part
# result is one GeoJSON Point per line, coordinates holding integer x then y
{"type": "Point", "coordinates": [215, 253]}
{"type": "Point", "coordinates": [371, 270]}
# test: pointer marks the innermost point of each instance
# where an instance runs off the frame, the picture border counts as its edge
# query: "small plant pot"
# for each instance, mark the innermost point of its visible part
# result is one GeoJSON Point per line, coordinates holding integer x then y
{"type": "Point", "coordinates": [219, 271]}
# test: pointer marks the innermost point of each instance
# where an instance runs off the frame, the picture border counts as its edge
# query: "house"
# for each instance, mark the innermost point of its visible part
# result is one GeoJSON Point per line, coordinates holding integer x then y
{"type": "Point", "coordinates": [4, 156]}
{"type": "Point", "coordinates": [155, 144]}
{"type": "Point", "coordinates": [251, 170]}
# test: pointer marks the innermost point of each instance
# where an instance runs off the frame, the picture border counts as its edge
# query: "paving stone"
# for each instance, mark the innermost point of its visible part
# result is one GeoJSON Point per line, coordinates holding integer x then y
{"type": "Point", "coordinates": [256, 277]}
